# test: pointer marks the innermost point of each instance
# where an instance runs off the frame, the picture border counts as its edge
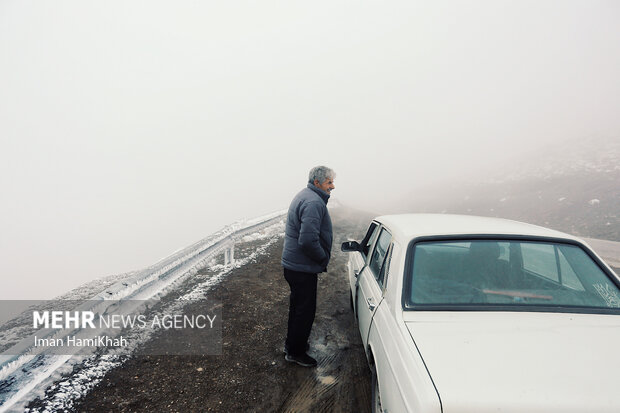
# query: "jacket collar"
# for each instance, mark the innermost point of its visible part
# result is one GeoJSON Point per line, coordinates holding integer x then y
{"type": "Point", "coordinates": [324, 195]}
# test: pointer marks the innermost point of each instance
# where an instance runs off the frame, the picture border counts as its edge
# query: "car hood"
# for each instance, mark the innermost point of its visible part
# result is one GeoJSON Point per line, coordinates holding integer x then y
{"type": "Point", "coordinates": [520, 362]}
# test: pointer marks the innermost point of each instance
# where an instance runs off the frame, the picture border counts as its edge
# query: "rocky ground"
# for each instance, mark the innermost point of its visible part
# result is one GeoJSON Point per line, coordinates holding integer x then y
{"type": "Point", "coordinates": [251, 373]}
{"type": "Point", "coordinates": [584, 204]}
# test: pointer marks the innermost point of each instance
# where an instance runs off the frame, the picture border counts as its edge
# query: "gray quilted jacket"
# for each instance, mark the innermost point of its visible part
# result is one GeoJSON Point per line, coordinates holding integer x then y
{"type": "Point", "coordinates": [308, 236]}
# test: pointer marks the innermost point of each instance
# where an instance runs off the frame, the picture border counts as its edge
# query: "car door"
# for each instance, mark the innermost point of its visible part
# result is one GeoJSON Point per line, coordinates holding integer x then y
{"type": "Point", "coordinates": [357, 261]}
{"type": "Point", "coordinates": [370, 291]}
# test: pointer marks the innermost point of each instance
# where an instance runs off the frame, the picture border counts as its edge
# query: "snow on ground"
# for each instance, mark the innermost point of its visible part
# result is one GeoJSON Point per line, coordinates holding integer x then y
{"type": "Point", "coordinates": [577, 157]}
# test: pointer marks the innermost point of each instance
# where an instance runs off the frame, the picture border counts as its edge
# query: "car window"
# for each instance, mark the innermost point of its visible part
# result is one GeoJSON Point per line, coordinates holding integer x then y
{"type": "Point", "coordinates": [382, 278]}
{"type": "Point", "coordinates": [378, 254]}
{"type": "Point", "coordinates": [508, 273]}
{"type": "Point", "coordinates": [539, 259]}
{"type": "Point", "coordinates": [568, 276]}
{"type": "Point", "coordinates": [369, 238]}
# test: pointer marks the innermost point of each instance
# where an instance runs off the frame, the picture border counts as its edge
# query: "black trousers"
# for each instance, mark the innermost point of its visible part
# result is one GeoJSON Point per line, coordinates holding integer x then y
{"type": "Point", "coordinates": [301, 311]}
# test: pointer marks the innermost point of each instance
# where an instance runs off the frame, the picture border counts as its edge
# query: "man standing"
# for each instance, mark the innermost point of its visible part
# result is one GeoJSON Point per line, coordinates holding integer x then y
{"type": "Point", "coordinates": [307, 249]}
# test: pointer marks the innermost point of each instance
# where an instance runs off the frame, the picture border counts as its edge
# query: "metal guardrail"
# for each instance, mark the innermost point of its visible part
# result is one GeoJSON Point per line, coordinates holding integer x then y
{"type": "Point", "coordinates": [196, 253]}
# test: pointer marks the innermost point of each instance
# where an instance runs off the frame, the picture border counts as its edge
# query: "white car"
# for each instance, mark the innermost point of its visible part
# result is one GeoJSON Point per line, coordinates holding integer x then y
{"type": "Point", "coordinates": [469, 314]}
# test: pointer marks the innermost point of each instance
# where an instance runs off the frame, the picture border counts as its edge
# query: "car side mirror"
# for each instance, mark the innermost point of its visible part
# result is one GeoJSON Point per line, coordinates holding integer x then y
{"type": "Point", "coordinates": [350, 246]}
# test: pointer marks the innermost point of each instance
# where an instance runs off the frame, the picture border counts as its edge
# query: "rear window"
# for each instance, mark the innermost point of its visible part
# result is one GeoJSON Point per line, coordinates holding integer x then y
{"type": "Point", "coordinates": [510, 273]}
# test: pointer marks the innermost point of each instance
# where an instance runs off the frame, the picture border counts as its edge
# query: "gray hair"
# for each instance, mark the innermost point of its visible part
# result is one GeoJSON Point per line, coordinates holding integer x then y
{"type": "Point", "coordinates": [320, 173]}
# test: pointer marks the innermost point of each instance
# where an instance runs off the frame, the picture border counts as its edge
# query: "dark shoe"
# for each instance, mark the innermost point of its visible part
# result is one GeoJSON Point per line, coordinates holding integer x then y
{"type": "Point", "coordinates": [286, 348]}
{"type": "Point", "coordinates": [303, 360]}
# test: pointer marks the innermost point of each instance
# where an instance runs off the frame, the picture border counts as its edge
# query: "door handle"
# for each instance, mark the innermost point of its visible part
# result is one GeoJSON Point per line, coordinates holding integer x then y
{"type": "Point", "coordinates": [371, 304]}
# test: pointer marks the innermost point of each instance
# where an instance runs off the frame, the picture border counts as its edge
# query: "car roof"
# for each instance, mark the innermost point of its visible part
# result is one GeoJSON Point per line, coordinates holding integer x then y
{"type": "Point", "coordinates": [408, 226]}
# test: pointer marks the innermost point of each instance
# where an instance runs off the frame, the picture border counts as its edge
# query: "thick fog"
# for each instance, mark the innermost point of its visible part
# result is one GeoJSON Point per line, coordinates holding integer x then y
{"type": "Point", "coordinates": [131, 129]}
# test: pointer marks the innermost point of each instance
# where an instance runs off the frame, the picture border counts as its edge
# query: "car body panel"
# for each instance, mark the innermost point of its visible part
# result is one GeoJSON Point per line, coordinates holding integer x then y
{"type": "Point", "coordinates": [409, 226]}
{"type": "Point", "coordinates": [354, 266]}
{"type": "Point", "coordinates": [369, 297]}
{"type": "Point", "coordinates": [513, 362]}
{"type": "Point", "coordinates": [404, 382]}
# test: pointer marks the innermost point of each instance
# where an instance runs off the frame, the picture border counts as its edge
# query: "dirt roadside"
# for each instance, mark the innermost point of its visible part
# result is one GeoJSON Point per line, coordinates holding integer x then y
{"type": "Point", "coordinates": [251, 374]}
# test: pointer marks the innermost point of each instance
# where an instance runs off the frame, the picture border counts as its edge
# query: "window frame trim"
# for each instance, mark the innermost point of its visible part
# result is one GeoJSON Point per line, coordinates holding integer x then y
{"type": "Point", "coordinates": [388, 257]}
{"type": "Point", "coordinates": [372, 251]}
{"type": "Point", "coordinates": [372, 246]}
{"type": "Point", "coordinates": [406, 283]}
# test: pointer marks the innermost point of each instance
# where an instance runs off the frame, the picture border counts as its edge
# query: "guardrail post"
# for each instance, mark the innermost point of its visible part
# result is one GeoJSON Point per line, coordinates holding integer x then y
{"type": "Point", "coordinates": [229, 255]}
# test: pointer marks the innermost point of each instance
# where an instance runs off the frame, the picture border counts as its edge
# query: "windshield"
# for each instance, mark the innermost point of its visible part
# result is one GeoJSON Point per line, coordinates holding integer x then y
{"type": "Point", "coordinates": [507, 273]}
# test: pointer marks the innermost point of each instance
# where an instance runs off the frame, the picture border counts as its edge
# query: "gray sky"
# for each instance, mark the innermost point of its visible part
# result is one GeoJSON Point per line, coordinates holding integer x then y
{"type": "Point", "coordinates": [131, 129]}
